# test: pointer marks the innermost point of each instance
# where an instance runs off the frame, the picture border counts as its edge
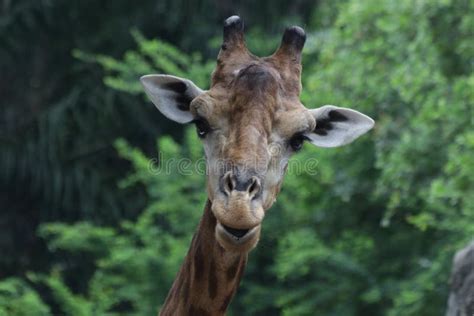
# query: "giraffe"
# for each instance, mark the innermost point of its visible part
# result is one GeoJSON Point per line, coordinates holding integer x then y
{"type": "Point", "coordinates": [250, 122]}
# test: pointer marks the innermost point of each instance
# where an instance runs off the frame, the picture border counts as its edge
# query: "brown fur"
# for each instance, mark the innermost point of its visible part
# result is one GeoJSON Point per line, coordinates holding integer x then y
{"type": "Point", "coordinates": [249, 107]}
{"type": "Point", "coordinates": [250, 122]}
{"type": "Point", "coordinates": [208, 277]}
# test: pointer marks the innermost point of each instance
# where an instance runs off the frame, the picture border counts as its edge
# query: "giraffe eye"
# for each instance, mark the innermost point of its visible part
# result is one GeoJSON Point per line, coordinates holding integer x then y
{"type": "Point", "coordinates": [202, 127]}
{"type": "Point", "coordinates": [296, 142]}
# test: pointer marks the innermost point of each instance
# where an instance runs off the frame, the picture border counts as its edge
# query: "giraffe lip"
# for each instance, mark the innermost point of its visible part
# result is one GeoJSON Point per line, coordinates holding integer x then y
{"type": "Point", "coordinates": [228, 233]}
{"type": "Point", "coordinates": [239, 233]}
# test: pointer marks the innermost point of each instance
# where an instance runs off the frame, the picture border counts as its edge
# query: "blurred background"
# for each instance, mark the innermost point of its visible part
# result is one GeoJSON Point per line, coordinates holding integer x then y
{"type": "Point", "coordinates": [87, 229]}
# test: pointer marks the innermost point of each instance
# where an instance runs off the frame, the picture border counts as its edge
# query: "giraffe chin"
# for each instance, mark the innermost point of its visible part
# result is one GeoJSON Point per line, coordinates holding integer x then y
{"type": "Point", "coordinates": [237, 244]}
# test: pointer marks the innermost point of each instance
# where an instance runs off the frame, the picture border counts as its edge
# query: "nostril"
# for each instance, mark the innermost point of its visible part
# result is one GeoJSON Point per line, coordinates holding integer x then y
{"type": "Point", "coordinates": [254, 187]}
{"type": "Point", "coordinates": [229, 184]}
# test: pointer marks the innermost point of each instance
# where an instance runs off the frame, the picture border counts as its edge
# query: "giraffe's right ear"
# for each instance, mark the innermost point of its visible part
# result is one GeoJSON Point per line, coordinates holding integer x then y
{"type": "Point", "coordinates": [171, 95]}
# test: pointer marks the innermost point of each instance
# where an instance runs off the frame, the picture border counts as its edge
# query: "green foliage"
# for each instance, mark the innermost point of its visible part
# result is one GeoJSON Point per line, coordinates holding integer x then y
{"type": "Point", "coordinates": [150, 56]}
{"type": "Point", "coordinates": [299, 253]}
{"type": "Point", "coordinates": [373, 232]}
{"type": "Point", "coordinates": [135, 263]}
{"type": "Point", "coordinates": [395, 52]}
{"type": "Point", "coordinates": [70, 304]}
{"type": "Point", "coordinates": [82, 237]}
{"type": "Point", "coordinates": [18, 299]}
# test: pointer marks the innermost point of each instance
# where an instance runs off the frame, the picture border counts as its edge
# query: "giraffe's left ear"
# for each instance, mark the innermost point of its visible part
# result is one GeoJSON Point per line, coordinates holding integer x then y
{"type": "Point", "coordinates": [337, 126]}
{"type": "Point", "coordinates": [171, 95]}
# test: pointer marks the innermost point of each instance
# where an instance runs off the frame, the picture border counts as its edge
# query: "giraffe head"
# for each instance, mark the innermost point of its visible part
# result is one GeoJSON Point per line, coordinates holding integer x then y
{"type": "Point", "coordinates": [250, 122]}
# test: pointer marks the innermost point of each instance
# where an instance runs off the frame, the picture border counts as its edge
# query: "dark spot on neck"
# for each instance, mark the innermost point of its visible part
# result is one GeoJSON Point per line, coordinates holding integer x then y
{"type": "Point", "coordinates": [186, 283]}
{"type": "Point", "coordinates": [198, 264]}
{"type": "Point", "coordinates": [212, 281]}
{"type": "Point", "coordinates": [226, 302]}
{"type": "Point", "coordinates": [233, 269]}
{"type": "Point", "coordinates": [197, 311]}
{"type": "Point", "coordinates": [220, 249]}
{"type": "Point", "coordinates": [241, 271]}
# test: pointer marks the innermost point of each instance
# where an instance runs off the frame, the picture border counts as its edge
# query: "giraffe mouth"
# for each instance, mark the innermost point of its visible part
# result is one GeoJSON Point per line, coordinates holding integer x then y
{"type": "Point", "coordinates": [237, 233]}
{"type": "Point", "coordinates": [237, 239]}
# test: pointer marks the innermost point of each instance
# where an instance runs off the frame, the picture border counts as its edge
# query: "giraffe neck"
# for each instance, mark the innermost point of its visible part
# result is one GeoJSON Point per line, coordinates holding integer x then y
{"type": "Point", "coordinates": [209, 275]}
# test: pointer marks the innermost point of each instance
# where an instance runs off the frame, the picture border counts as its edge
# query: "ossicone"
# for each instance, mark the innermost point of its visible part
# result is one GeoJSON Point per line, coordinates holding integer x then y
{"type": "Point", "coordinates": [233, 39]}
{"type": "Point", "coordinates": [292, 44]}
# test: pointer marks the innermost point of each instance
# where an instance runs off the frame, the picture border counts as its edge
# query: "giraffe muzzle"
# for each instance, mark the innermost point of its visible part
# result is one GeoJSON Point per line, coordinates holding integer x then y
{"type": "Point", "coordinates": [238, 240]}
{"type": "Point", "coordinates": [235, 232]}
{"type": "Point", "coordinates": [232, 183]}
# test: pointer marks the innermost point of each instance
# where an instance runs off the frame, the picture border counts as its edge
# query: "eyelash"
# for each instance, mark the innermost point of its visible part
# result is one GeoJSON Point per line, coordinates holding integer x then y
{"type": "Point", "coordinates": [202, 127]}
{"type": "Point", "coordinates": [296, 142]}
